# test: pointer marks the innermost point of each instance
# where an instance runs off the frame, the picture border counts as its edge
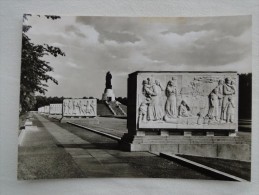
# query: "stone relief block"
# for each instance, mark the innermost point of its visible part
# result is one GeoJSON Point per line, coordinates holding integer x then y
{"type": "Point", "coordinates": [79, 107]}
{"type": "Point", "coordinates": [183, 100]}
{"type": "Point", "coordinates": [55, 108]}
{"type": "Point", "coordinates": [46, 109]}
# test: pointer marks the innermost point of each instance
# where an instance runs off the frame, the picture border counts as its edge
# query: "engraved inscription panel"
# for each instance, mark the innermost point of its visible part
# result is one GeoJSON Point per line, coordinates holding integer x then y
{"type": "Point", "coordinates": [187, 100]}
{"type": "Point", "coordinates": [79, 107]}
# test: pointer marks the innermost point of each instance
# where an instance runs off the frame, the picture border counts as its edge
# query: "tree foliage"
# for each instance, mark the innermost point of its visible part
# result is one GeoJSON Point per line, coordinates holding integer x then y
{"type": "Point", "coordinates": [123, 101]}
{"type": "Point", "coordinates": [34, 68]}
{"type": "Point", "coordinates": [245, 96]}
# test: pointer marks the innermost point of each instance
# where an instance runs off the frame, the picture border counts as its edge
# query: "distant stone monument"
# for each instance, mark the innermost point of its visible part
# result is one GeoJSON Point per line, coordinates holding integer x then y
{"type": "Point", "coordinates": [41, 109]}
{"type": "Point", "coordinates": [79, 108]}
{"type": "Point", "coordinates": [55, 109]}
{"type": "Point", "coordinates": [164, 104]}
{"type": "Point", "coordinates": [46, 110]}
{"type": "Point", "coordinates": [108, 94]}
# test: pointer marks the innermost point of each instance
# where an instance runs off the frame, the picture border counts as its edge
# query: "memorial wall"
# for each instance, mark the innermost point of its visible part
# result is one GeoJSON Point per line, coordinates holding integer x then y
{"type": "Point", "coordinates": [46, 109]}
{"type": "Point", "coordinates": [55, 109]}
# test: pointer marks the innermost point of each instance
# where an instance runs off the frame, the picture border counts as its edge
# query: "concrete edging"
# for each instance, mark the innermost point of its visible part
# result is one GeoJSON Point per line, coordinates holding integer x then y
{"type": "Point", "coordinates": [96, 131]}
{"type": "Point", "coordinates": [215, 172]}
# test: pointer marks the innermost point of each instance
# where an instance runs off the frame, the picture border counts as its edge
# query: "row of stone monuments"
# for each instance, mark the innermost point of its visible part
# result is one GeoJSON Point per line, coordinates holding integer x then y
{"type": "Point", "coordinates": [179, 112]}
{"type": "Point", "coordinates": [72, 108]}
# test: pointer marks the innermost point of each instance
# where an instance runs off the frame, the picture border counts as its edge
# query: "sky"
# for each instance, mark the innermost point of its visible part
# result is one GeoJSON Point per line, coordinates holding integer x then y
{"type": "Point", "coordinates": [122, 45]}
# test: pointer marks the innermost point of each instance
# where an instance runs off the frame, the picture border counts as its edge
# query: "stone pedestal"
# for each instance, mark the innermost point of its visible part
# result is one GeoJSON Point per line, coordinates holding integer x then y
{"type": "Point", "coordinates": [108, 95]}
{"type": "Point", "coordinates": [169, 110]}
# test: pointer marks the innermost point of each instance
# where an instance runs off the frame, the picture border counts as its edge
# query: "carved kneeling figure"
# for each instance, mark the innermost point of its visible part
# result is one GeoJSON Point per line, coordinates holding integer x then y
{"type": "Point", "coordinates": [184, 110]}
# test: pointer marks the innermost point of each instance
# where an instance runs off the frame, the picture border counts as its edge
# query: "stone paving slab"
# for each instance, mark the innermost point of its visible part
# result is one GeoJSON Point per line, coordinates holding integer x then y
{"type": "Point", "coordinates": [62, 137]}
{"type": "Point", "coordinates": [40, 158]}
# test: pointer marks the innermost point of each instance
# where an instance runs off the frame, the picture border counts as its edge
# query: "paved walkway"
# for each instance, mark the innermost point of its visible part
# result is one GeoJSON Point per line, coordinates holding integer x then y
{"type": "Point", "coordinates": [54, 150]}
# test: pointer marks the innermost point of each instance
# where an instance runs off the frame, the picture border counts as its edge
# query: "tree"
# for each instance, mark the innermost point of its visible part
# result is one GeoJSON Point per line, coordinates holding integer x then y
{"type": "Point", "coordinates": [34, 69]}
{"type": "Point", "coordinates": [245, 96]}
{"type": "Point", "coordinates": [123, 101]}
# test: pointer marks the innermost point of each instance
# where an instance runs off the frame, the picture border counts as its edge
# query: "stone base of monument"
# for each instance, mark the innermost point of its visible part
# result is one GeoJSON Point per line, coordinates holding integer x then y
{"type": "Point", "coordinates": [108, 95]}
{"type": "Point", "coordinates": [55, 116]}
{"type": "Point", "coordinates": [90, 120]}
{"type": "Point", "coordinates": [235, 148]}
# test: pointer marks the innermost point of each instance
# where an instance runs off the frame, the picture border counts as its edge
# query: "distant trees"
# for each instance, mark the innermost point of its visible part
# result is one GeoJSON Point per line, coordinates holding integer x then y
{"type": "Point", "coordinates": [34, 69]}
{"type": "Point", "coordinates": [245, 96]}
{"type": "Point", "coordinates": [43, 101]}
{"type": "Point", "coordinates": [123, 101]}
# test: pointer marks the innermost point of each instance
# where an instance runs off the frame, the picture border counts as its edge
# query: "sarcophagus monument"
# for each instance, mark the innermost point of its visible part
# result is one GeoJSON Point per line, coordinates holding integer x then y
{"type": "Point", "coordinates": [182, 104]}
{"type": "Point", "coordinates": [79, 107]}
{"type": "Point", "coordinates": [41, 109]}
{"type": "Point", "coordinates": [55, 109]}
{"type": "Point", "coordinates": [46, 109]}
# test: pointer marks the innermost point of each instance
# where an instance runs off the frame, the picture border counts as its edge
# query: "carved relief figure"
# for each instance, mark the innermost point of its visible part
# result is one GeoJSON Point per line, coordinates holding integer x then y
{"type": "Point", "coordinates": [93, 107]}
{"type": "Point", "coordinates": [89, 108]}
{"type": "Point", "coordinates": [70, 107]}
{"type": "Point", "coordinates": [65, 107]}
{"type": "Point", "coordinates": [142, 112]}
{"type": "Point", "coordinates": [228, 91]}
{"type": "Point", "coordinates": [153, 91]}
{"type": "Point", "coordinates": [230, 110]}
{"type": "Point", "coordinates": [74, 107]}
{"type": "Point", "coordinates": [147, 88]}
{"type": "Point", "coordinates": [80, 107]}
{"type": "Point", "coordinates": [171, 93]}
{"type": "Point", "coordinates": [184, 110]}
{"type": "Point", "coordinates": [219, 89]}
{"type": "Point", "coordinates": [213, 112]}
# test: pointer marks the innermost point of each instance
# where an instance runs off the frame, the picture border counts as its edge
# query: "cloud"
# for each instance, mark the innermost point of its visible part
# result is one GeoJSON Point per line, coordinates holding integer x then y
{"type": "Point", "coordinates": [230, 25]}
{"type": "Point", "coordinates": [204, 41]}
{"type": "Point", "coordinates": [56, 76]}
{"type": "Point", "coordinates": [111, 28]}
{"type": "Point", "coordinates": [122, 45]}
{"type": "Point", "coordinates": [72, 29]}
{"type": "Point", "coordinates": [73, 65]}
